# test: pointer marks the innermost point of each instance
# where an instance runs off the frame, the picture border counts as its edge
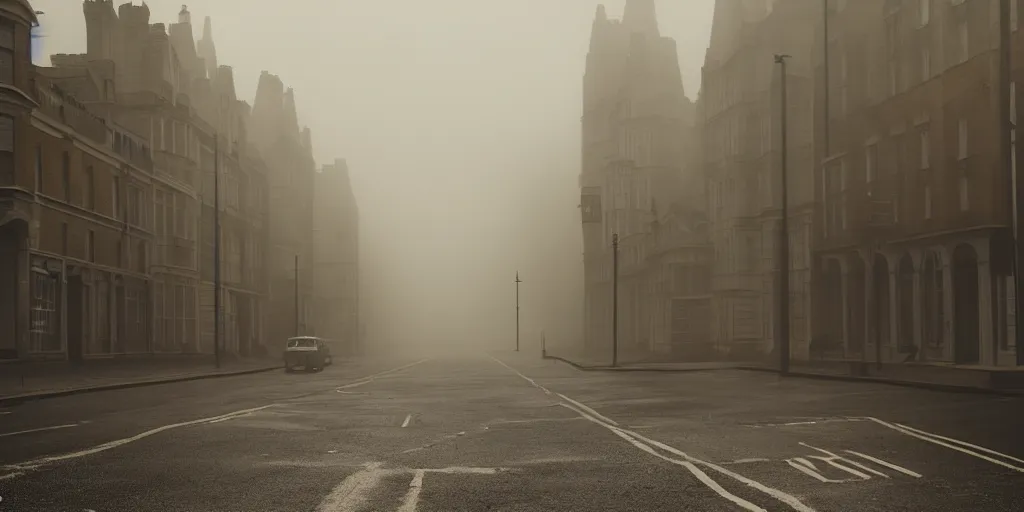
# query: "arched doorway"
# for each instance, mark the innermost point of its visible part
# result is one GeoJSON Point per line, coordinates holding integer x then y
{"type": "Point", "coordinates": [905, 296]}
{"type": "Point", "coordinates": [13, 238]}
{"type": "Point", "coordinates": [855, 304]}
{"type": "Point", "coordinates": [933, 312]}
{"type": "Point", "coordinates": [966, 348]}
{"type": "Point", "coordinates": [880, 302]}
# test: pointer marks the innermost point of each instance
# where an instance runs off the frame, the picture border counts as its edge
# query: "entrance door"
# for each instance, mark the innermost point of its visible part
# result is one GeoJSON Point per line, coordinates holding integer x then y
{"type": "Point", "coordinates": [76, 297]}
{"type": "Point", "coordinates": [966, 347]}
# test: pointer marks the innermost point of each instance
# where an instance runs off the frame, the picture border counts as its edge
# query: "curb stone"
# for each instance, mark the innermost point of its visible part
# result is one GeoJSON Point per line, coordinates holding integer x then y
{"type": "Point", "coordinates": [40, 395]}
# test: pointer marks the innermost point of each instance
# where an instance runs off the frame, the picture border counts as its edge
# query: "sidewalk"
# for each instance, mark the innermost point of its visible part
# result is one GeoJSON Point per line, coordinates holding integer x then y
{"type": "Point", "coordinates": [34, 380]}
{"type": "Point", "coordinates": [1004, 380]}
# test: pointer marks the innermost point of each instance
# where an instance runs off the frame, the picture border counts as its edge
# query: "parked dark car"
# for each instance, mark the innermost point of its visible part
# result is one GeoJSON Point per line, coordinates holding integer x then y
{"type": "Point", "coordinates": [307, 352]}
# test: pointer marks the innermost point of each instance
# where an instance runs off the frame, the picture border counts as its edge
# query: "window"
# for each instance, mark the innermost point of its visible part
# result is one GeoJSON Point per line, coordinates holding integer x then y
{"type": "Point", "coordinates": [1014, 20]}
{"type": "Point", "coordinates": [64, 238]}
{"type": "Point", "coordinates": [65, 175]}
{"type": "Point", "coordinates": [961, 127]}
{"type": "Point", "coordinates": [927, 202]}
{"type": "Point", "coordinates": [1013, 103]}
{"type": "Point", "coordinates": [965, 203]}
{"type": "Point", "coordinates": [115, 198]}
{"type": "Point", "coordinates": [924, 9]}
{"type": "Point", "coordinates": [39, 168]}
{"type": "Point", "coordinates": [893, 71]}
{"type": "Point", "coordinates": [964, 42]}
{"type": "Point", "coordinates": [90, 188]}
{"type": "Point", "coordinates": [7, 52]}
{"type": "Point", "coordinates": [90, 246]}
{"type": "Point", "coordinates": [7, 175]}
{"type": "Point", "coordinates": [926, 63]}
{"type": "Point", "coordinates": [925, 149]}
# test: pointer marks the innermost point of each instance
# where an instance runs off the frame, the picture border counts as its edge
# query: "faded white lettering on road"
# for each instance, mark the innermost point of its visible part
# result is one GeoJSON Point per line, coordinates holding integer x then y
{"type": "Point", "coordinates": [352, 492]}
{"type": "Point", "coordinates": [857, 470]}
{"type": "Point", "coordinates": [998, 458]}
{"type": "Point", "coordinates": [408, 418]}
{"type": "Point", "coordinates": [685, 460]}
{"type": "Point", "coordinates": [412, 497]}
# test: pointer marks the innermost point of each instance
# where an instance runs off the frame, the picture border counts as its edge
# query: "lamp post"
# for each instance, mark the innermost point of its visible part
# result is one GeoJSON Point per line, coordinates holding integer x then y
{"type": "Point", "coordinates": [517, 310]}
{"type": "Point", "coordinates": [783, 296]}
{"type": "Point", "coordinates": [615, 300]}
{"type": "Point", "coordinates": [216, 251]}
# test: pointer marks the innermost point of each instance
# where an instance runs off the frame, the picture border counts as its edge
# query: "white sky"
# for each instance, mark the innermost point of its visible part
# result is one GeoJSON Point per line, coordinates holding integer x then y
{"type": "Point", "coordinates": [460, 122]}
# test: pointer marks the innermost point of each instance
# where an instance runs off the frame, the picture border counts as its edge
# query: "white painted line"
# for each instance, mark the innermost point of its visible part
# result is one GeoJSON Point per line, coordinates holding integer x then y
{"type": "Point", "coordinates": [962, 443]}
{"type": "Point", "coordinates": [4, 412]}
{"type": "Point", "coordinates": [531, 381]}
{"type": "Point", "coordinates": [412, 497]}
{"type": "Point", "coordinates": [749, 461]}
{"type": "Point", "coordinates": [589, 410]}
{"type": "Point", "coordinates": [405, 423]}
{"type": "Point", "coordinates": [689, 462]}
{"type": "Point", "coordinates": [371, 378]}
{"type": "Point", "coordinates": [466, 471]}
{"type": "Point", "coordinates": [41, 429]}
{"type": "Point", "coordinates": [881, 462]}
{"type": "Point", "coordinates": [350, 494]}
{"type": "Point", "coordinates": [941, 441]}
{"type": "Point", "coordinates": [42, 461]}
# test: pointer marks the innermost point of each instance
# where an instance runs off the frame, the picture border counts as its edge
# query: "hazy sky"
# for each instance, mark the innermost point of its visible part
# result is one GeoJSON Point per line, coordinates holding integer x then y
{"type": "Point", "coordinates": [460, 121]}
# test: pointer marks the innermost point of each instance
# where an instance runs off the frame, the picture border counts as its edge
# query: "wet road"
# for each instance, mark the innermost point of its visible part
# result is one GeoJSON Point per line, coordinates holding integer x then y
{"type": "Point", "coordinates": [512, 433]}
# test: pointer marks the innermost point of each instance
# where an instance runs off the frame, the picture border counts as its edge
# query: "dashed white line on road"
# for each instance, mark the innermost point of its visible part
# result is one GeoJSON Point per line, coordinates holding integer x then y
{"type": "Point", "coordinates": [371, 378]}
{"type": "Point", "coordinates": [405, 423]}
{"type": "Point", "coordinates": [956, 444]}
{"type": "Point", "coordinates": [41, 429]}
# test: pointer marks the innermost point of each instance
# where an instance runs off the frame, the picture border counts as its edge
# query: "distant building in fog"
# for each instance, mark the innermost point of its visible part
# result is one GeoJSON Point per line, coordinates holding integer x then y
{"type": "Point", "coordinates": [336, 256]}
{"type": "Point", "coordinates": [637, 132]}
{"type": "Point", "coordinates": [740, 115]}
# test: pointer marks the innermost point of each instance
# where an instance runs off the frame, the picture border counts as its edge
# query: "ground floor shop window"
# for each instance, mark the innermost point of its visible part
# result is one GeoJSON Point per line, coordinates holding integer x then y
{"type": "Point", "coordinates": [45, 313]}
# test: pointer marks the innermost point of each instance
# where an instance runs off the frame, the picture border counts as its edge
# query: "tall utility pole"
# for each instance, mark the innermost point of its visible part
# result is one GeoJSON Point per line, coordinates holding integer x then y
{"type": "Point", "coordinates": [783, 297]}
{"type": "Point", "coordinates": [216, 250]}
{"type": "Point", "coordinates": [296, 295]}
{"type": "Point", "coordinates": [615, 299]}
{"type": "Point", "coordinates": [827, 77]}
{"type": "Point", "coordinates": [1007, 136]}
{"type": "Point", "coordinates": [517, 310]}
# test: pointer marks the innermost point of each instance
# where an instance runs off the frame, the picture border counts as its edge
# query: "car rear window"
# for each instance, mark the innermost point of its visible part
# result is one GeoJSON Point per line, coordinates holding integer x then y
{"type": "Point", "coordinates": [301, 343]}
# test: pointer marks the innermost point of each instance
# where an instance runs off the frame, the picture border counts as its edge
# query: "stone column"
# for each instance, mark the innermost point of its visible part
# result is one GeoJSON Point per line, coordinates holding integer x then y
{"type": "Point", "coordinates": [889, 350]}
{"type": "Point", "coordinates": [918, 317]}
{"type": "Point", "coordinates": [988, 353]}
{"type": "Point", "coordinates": [844, 285]}
{"type": "Point", "coordinates": [869, 312]}
{"type": "Point", "coordinates": [947, 334]}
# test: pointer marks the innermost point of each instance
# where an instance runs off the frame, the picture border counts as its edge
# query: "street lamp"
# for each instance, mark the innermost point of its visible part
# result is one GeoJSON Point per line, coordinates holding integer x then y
{"type": "Point", "coordinates": [615, 299]}
{"type": "Point", "coordinates": [783, 296]}
{"type": "Point", "coordinates": [517, 310]}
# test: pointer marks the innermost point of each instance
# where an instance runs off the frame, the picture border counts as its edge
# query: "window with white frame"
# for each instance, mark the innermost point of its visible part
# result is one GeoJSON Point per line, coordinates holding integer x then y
{"type": "Point", "coordinates": [1014, 20]}
{"type": "Point", "coordinates": [870, 162]}
{"type": "Point", "coordinates": [926, 63]}
{"type": "Point", "coordinates": [924, 10]}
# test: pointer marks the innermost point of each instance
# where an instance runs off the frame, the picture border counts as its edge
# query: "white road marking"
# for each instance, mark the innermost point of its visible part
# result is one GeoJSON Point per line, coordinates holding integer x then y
{"type": "Point", "coordinates": [748, 461]}
{"type": "Point", "coordinates": [531, 381]}
{"type": "Point", "coordinates": [809, 422]}
{"type": "Point", "coordinates": [689, 462]}
{"type": "Point", "coordinates": [589, 410]}
{"type": "Point", "coordinates": [41, 429]}
{"type": "Point", "coordinates": [412, 497]}
{"type": "Point", "coordinates": [4, 412]}
{"type": "Point", "coordinates": [405, 423]}
{"type": "Point", "coordinates": [371, 378]}
{"type": "Point", "coordinates": [21, 467]}
{"type": "Point", "coordinates": [889, 465]}
{"type": "Point", "coordinates": [460, 470]}
{"type": "Point", "coordinates": [350, 494]}
{"type": "Point", "coordinates": [953, 444]}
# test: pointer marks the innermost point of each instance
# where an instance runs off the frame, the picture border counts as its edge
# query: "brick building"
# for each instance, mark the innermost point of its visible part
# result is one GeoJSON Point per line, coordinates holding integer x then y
{"type": "Point", "coordinates": [740, 107]}
{"type": "Point", "coordinates": [914, 222]}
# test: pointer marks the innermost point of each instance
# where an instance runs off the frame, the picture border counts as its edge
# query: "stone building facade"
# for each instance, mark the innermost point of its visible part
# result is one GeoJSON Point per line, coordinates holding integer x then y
{"type": "Point", "coordinates": [336, 263]}
{"type": "Point", "coordinates": [740, 113]}
{"type": "Point", "coordinates": [914, 227]}
{"type": "Point", "coordinates": [636, 121]}
{"type": "Point", "coordinates": [107, 201]}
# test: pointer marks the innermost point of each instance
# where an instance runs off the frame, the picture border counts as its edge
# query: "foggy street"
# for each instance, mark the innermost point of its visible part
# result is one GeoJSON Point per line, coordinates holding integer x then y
{"type": "Point", "coordinates": [512, 432]}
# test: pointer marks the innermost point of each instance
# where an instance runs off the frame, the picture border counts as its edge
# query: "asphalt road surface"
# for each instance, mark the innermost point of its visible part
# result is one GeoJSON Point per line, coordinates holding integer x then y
{"type": "Point", "coordinates": [512, 433]}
